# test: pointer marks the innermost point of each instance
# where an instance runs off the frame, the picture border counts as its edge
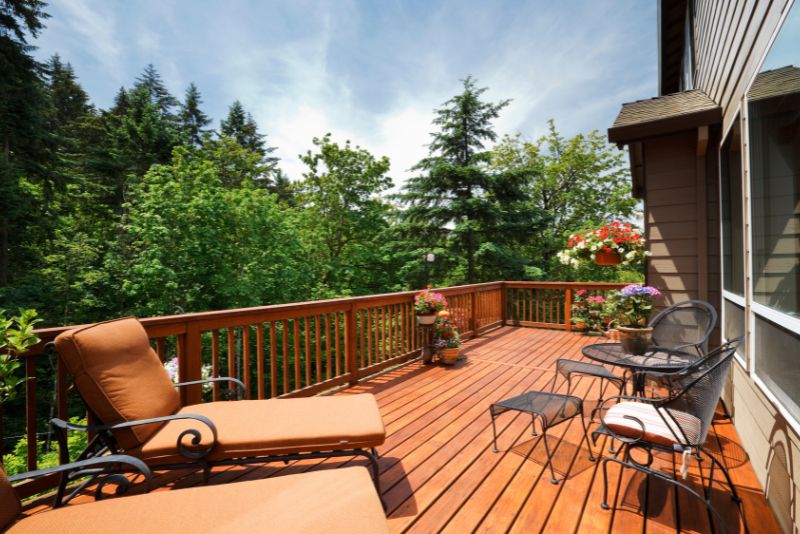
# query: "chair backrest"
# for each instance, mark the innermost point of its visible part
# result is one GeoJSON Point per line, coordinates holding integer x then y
{"type": "Point", "coordinates": [119, 376]}
{"type": "Point", "coordinates": [701, 386]}
{"type": "Point", "coordinates": [687, 322]}
{"type": "Point", "coordinates": [10, 507]}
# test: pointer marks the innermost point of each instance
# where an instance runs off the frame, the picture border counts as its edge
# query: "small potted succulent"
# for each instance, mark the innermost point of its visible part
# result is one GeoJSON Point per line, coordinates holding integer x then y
{"type": "Point", "coordinates": [427, 304]}
{"type": "Point", "coordinates": [634, 305]}
{"type": "Point", "coordinates": [446, 339]}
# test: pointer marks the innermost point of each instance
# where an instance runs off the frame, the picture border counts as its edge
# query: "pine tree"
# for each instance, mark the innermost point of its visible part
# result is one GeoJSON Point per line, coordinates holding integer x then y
{"type": "Point", "coordinates": [150, 80]}
{"type": "Point", "coordinates": [241, 126]}
{"type": "Point", "coordinates": [68, 98]}
{"type": "Point", "coordinates": [456, 202]}
{"type": "Point", "coordinates": [192, 118]}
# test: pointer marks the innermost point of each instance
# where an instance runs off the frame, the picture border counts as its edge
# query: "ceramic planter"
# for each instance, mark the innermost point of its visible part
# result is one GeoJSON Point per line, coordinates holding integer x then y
{"type": "Point", "coordinates": [635, 340]}
{"type": "Point", "coordinates": [426, 319]}
{"type": "Point", "coordinates": [449, 356]}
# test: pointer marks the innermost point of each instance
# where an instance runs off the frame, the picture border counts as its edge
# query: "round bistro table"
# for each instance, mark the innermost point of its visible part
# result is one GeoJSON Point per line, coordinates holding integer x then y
{"type": "Point", "coordinates": [658, 359]}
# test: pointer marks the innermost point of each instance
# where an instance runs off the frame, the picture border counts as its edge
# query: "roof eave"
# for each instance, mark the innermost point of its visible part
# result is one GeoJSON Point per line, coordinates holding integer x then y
{"type": "Point", "coordinates": [623, 135]}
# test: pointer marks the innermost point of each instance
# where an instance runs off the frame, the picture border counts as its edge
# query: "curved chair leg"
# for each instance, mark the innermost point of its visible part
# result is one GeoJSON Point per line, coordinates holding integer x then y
{"type": "Point", "coordinates": [553, 478]}
{"type": "Point", "coordinates": [734, 495]}
{"type": "Point", "coordinates": [586, 435]}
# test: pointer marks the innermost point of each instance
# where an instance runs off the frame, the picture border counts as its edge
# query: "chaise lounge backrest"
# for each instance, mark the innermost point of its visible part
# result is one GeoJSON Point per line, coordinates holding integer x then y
{"type": "Point", "coordinates": [119, 376]}
{"type": "Point", "coordinates": [9, 503]}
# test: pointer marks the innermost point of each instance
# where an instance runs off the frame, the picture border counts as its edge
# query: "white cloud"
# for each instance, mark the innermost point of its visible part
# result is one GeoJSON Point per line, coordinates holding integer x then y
{"type": "Point", "coordinates": [96, 25]}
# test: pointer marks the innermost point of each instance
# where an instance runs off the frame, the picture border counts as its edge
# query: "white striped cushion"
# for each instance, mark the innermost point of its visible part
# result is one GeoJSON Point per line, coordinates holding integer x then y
{"type": "Point", "coordinates": [656, 430]}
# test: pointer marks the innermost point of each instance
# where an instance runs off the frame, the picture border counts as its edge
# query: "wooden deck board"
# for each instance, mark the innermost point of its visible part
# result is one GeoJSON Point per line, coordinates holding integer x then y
{"type": "Point", "coordinates": [439, 473]}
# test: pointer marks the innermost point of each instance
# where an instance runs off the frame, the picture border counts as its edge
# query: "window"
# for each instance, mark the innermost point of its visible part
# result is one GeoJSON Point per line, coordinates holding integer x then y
{"type": "Point", "coordinates": [687, 61]}
{"type": "Point", "coordinates": [733, 326]}
{"type": "Point", "coordinates": [732, 218]}
{"type": "Point", "coordinates": [777, 363]}
{"type": "Point", "coordinates": [774, 113]}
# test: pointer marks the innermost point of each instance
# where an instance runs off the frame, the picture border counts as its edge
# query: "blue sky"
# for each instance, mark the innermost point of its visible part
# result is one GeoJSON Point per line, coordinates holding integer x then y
{"type": "Point", "coordinates": [369, 71]}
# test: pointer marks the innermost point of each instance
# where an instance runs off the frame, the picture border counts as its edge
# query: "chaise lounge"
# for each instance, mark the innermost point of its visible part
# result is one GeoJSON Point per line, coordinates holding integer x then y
{"type": "Point", "coordinates": [332, 501]}
{"type": "Point", "coordinates": [126, 388]}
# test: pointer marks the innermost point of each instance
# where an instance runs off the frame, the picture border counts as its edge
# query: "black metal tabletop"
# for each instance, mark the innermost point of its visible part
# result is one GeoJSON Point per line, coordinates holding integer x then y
{"type": "Point", "coordinates": [655, 359]}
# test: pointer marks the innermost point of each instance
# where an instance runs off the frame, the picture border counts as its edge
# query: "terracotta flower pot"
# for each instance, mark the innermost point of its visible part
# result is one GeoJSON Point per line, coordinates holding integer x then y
{"type": "Point", "coordinates": [427, 319]}
{"type": "Point", "coordinates": [580, 326]}
{"type": "Point", "coordinates": [607, 258]}
{"type": "Point", "coordinates": [448, 356]}
{"type": "Point", "coordinates": [635, 340]}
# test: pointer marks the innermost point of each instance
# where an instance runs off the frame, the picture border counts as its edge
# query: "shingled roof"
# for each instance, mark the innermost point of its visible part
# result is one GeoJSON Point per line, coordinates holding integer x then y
{"type": "Point", "coordinates": [777, 82]}
{"type": "Point", "coordinates": [663, 114]}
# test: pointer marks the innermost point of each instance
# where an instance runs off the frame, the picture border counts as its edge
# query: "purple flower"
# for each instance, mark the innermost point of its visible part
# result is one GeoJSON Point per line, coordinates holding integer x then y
{"type": "Point", "coordinates": [634, 290]}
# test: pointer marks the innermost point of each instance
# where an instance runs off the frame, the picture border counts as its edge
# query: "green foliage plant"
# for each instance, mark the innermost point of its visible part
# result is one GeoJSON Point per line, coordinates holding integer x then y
{"type": "Point", "coordinates": [16, 337]}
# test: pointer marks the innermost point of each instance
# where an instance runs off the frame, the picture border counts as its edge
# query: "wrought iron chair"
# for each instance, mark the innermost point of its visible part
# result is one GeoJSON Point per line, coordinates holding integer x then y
{"type": "Point", "coordinates": [676, 424]}
{"type": "Point", "coordinates": [685, 325]}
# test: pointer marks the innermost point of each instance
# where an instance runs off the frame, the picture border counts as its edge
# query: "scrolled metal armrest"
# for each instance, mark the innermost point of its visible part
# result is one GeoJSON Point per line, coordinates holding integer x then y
{"type": "Point", "coordinates": [91, 464]}
{"type": "Point", "coordinates": [239, 384]}
{"type": "Point", "coordinates": [182, 449]}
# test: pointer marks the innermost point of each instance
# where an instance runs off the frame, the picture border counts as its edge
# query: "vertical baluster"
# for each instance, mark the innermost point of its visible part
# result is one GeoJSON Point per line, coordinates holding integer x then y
{"type": "Point", "coordinates": [383, 333]}
{"type": "Point", "coordinates": [307, 333]}
{"type": "Point", "coordinates": [260, 359]}
{"type": "Point", "coordinates": [369, 336]}
{"type": "Point", "coordinates": [30, 410]}
{"type": "Point", "coordinates": [61, 393]}
{"type": "Point", "coordinates": [337, 339]}
{"type": "Point", "coordinates": [215, 362]}
{"type": "Point", "coordinates": [285, 347]}
{"type": "Point", "coordinates": [395, 338]}
{"type": "Point", "coordinates": [231, 354]}
{"type": "Point", "coordinates": [328, 352]}
{"type": "Point", "coordinates": [362, 340]}
{"type": "Point", "coordinates": [273, 360]}
{"type": "Point", "coordinates": [296, 324]}
{"type": "Point", "coordinates": [246, 360]}
{"type": "Point", "coordinates": [160, 348]}
{"type": "Point", "coordinates": [318, 348]}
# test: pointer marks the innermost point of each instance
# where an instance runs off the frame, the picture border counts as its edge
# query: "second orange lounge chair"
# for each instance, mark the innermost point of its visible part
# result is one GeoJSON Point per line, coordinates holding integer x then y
{"type": "Point", "coordinates": [126, 388]}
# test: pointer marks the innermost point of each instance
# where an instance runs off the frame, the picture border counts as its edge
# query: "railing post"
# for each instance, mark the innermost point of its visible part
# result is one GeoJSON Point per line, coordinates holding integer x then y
{"type": "Point", "coordinates": [350, 344]}
{"type": "Point", "coordinates": [190, 363]}
{"type": "Point", "coordinates": [503, 303]}
{"type": "Point", "coordinates": [474, 313]}
{"type": "Point", "coordinates": [568, 307]}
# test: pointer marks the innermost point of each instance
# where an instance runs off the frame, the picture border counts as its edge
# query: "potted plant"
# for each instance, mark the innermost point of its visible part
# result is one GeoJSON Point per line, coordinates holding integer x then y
{"type": "Point", "coordinates": [16, 337]}
{"type": "Point", "coordinates": [634, 304]}
{"type": "Point", "coordinates": [612, 244]}
{"type": "Point", "coordinates": [446, 339]}
{"type": "Point", "coordinates": [579, 312]}
{"type": "Point", "coordinates": [427, 304]}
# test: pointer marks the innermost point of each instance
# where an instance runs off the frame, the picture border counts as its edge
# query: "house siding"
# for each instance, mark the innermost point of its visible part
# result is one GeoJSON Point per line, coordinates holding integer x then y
{"type": "Point", "coordinates": [730, 41]}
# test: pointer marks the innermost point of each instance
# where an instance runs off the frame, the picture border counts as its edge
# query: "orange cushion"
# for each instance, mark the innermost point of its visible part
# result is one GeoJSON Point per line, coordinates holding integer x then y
{"type": "Point", "coordinates": [656, 429]}
{"type": "Point", "coordinates": [9, 502]}
{"type": "Point", "coordinates": [277, 426]}
{"type": "Point", "coordinates": [119, 376]}
{"type": "Point", "coordinates": [331, 501]}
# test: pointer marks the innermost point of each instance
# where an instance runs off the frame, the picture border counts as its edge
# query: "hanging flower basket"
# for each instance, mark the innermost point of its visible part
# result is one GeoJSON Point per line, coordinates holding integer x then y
{"type": "Point", "coordinates": [607, 258]}
{"type": "Point", "coordinates": [427, 304]}
{"type": "Point", "coordinates": [613, 244]}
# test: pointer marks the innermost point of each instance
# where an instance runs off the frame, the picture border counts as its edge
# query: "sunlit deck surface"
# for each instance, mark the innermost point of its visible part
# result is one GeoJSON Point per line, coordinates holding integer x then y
{"type": "Point", "coordinates": [438, 471]}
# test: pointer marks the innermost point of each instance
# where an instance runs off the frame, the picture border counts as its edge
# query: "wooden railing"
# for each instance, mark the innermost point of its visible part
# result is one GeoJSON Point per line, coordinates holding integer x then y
{"type": "Point", "coordinates": [548, 304]}
{"type": "Point", "coordinates": [305, 348]}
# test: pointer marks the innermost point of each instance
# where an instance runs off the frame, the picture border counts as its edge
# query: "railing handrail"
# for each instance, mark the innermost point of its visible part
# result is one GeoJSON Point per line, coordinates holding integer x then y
{"type": "Point", "coordinates": [284, 310]}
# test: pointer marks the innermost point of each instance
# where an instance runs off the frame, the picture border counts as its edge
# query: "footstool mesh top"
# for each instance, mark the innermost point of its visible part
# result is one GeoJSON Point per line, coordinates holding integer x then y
{"type": "Point", "coordinates": [573, 366]}
{"type": "Point", "coordinates": [553, 407]}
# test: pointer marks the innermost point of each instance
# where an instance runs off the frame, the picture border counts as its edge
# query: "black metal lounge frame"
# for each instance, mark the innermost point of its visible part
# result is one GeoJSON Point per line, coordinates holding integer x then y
{"type": "Point", "coordinates": [188, 445]}
{"type": "Point", "coordinates": [715, 365]}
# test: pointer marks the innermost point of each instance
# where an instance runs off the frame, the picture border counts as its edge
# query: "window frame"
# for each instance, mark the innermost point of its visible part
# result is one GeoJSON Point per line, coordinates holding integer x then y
{"type": "Point", "coordinates": [753, 309]}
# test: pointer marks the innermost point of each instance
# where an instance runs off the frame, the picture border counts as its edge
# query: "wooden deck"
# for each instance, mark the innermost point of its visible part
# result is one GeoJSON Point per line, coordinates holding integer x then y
{"type": "Point", "coordinates": [438, 471]}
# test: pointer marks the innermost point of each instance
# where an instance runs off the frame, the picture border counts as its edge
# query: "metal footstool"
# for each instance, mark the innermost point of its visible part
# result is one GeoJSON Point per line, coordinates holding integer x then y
{"type": "Point", "coordinates": [550, 408]}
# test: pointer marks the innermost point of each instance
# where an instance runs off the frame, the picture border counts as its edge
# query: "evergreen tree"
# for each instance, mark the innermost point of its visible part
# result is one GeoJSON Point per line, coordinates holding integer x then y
{"type": "Point", "coordinates": [456, 202]}
{"type": "Point", "coordinates": [241, 126]}
{"type": "Point", "coordinates": [68, 98]}
{"type": "Point", "coordinates": [24, 137]}
{"type": "Point", "coordinates": [192, 118]}
{"type": "Point", "coordinates": [150, 81]}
